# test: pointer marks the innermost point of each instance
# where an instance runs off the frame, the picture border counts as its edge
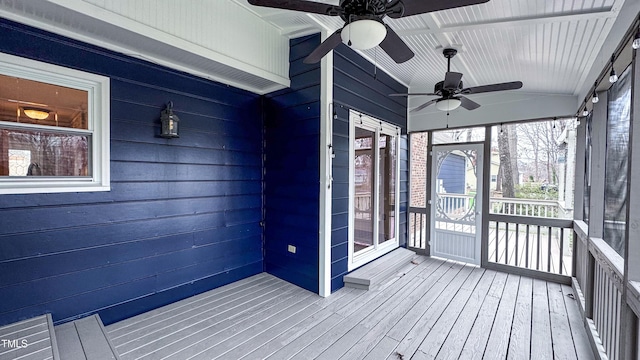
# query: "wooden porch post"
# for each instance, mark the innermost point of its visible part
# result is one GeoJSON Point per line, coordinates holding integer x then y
{"type": "Point", "coordinates": [430, 207]}
{"type": "Point", "coordinates": [596, 208]}
{"type": "Point", "coordinates": [486, 194]}
{"type": "Point", "coordinates": [629, 320]}
{"type": "Point", "coordinates": [578, 199]}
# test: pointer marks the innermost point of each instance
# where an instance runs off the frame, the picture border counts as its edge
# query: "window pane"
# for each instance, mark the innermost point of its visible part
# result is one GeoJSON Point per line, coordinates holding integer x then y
{"type": "Point", "coordinates": [616, 162]}
{"type": "Point", "coordinates": [459, 135]}
{"type": "Point", "coordinates": [364, 189]}
{"type": "Point", "coordinates": [532, 164]}
{"type": "Point", "coordinates": [33, 102]}
{"type": "Point", "coordinates": [43, 153]}
{"type": "Point", "coordinates": [388, 159]}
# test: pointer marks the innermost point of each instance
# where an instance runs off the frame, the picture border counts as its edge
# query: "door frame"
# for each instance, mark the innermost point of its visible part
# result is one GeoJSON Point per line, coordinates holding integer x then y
{"type": "Point", "coordinates": [377, 250]}
{"type": "Point", "coordinates": [479, 147]}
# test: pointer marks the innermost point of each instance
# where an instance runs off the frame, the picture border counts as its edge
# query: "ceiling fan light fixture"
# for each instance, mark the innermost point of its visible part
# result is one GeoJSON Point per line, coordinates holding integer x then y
{"type": "Point", "coordinates": [363, 34]}
{"type": "Point", "coordinates": [36, 114]}
{"type": "Point", "coordinates": [448, 104]}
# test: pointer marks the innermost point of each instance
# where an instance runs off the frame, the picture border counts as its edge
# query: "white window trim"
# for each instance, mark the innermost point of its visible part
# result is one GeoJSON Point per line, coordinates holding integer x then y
{"type": "Point", "coordinates": [357, 260]}
{"type": "Point", "coordinates": [98, 89]}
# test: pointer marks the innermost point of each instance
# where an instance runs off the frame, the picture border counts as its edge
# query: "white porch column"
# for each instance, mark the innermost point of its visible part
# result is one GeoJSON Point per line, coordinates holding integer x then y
{"type": "Point", "coordinates": [326, 159]}
{"type": "Point", "coordinates": [629, 321]}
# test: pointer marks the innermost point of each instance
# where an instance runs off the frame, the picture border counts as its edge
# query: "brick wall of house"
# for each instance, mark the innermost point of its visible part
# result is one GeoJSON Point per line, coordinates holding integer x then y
{"type": "Point", "coordinates": [418, 178]}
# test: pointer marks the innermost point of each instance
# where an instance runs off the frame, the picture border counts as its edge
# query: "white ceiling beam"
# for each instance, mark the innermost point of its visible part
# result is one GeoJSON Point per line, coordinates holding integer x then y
{"type": "Point", "coordinates": [601, 13]}
{"type": "Point", "coordinates": [445, 40]}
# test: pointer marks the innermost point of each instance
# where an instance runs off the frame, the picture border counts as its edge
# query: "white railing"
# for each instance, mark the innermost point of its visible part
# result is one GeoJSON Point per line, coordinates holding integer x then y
{"type": "Point", "coordinates": [418, 225]}
{"type": "Point", "coordinates": [524, 207]}
{"type": "Point", "coordinates": [606, 310]}
{"type": "Point", "coordinates": [539, 244]}
{"type": "Point", "coordinates": [599, 274]}
{"type": "Point", "coordinates": [363, 202]}
{"type": "Point", "coordinates": [455, 204]}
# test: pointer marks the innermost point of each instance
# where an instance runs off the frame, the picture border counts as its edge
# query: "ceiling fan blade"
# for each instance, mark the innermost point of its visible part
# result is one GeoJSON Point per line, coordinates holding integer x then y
{"type": "Point", "coordinates": [300, 5]}
{"type": "Point", "coordinates": [416, 94]}
{"type": "Point", "coordinates": [413, 7]}
{"type": "Point", "coordinates": [323, 49]}
{"type": "Point", "coordinates": [425, 105]}
{"type": "Point", "coordinates": [452, 80]}
{"type": "Point", "coordinates": [468, 103]}
{"type": "Point", "coordinates": [493, 87]}
{"type": "Point", "coordinates": [395, 47]}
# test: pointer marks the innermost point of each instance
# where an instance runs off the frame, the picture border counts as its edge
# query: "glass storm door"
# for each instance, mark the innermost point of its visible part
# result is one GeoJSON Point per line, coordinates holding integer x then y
{"type": "Point", "coordinates": [456, 200]}
{"type": "Point", "coordinates": [373, 188]}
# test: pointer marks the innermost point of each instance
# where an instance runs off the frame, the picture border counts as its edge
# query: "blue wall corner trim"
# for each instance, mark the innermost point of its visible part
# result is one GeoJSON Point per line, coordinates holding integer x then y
{"type": "Point", "coordinates": [292, 171]}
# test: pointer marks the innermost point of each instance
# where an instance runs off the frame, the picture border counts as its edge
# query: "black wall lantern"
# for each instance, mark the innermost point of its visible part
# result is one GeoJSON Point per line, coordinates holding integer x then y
{"type": "Point", "coordinates": [169, 122]}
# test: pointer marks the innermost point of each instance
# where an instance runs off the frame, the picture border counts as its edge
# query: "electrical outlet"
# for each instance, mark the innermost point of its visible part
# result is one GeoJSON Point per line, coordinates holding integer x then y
{"type": "Point", "coordinates": [292, 249]}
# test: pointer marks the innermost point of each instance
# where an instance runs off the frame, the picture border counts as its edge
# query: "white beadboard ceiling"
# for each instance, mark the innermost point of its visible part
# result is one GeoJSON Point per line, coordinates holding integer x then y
{"type": "Point", "coordinates": [548, 45]}
{"type": "Point", "coordinates": [556, 48]}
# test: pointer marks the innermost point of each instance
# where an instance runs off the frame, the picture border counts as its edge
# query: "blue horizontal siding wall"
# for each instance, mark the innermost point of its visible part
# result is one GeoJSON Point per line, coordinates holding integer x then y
{"type": "Point", "coordinates": [356, 88]}
{"type": "Point", "coordinates": [452, 174]}
{"type": "Point", "coordinates": [183, 215]}
{"type": "Point", "coordinates": [292, 171]}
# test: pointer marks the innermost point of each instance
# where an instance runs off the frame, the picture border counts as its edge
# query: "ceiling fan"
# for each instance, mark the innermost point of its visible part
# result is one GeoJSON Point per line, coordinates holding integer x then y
{"type": "Point", "coordinates": [451, 89]}
{"type": "Point", "coordinates": [364, 28]}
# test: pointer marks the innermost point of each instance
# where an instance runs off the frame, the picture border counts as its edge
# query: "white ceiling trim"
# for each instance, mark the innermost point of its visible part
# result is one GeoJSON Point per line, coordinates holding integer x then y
{"type": "Point", "coordinates": [112, 18]}
{"type": "Point", "coordinates": [602, 13]}
{"type": "Point", "coordinates": [91, 24]}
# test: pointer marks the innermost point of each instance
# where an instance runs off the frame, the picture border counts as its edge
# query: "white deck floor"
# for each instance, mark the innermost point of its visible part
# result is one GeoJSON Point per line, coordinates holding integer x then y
{"type": "Point", "coordinates": [434, 310]}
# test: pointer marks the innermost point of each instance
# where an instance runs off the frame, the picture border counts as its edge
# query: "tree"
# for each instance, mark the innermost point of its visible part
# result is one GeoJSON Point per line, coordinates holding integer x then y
{"type": "Point", "coordinates": [506, 168]}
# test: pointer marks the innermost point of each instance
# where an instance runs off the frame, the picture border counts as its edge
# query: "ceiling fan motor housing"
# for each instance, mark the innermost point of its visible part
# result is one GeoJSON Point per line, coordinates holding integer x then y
{"type": "Point", "coordinates": [362, 9]}
{"type": "Point", "coordinates": [439, 89]}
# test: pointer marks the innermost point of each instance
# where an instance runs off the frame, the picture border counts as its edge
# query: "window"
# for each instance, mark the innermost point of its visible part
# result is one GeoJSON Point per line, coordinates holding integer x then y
{"type": "Point", "coordinates": [374, 194]}
{"type": "Point", "coordinates": [463, 135]}
{"type": "Point", "coordinates": [617, 162]}
{"type": "Point", "coordinates": [54, 128]}
{"type": "Point", "coordinates": [532, 169]}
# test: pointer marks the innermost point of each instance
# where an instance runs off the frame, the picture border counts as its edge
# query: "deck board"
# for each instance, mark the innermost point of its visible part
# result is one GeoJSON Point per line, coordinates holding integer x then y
{"type": "Point", "coordinates": [498, 344]}
{"type": "Point", "coordinates": [520, 342]}
{"type": "Point", "coordinates": [435, 309]}
{"type": "Point", "coordinates": [541, 346]}
{"type": "Point", "coordinates": [31, 339]}
{"type": "Point", "coordinates": [576, 323]}
{"type": "Point", "coordinates": [561, 337]}
{"type": "Point", "coordinates": [457, 336]}
{"type": "Point", "coordinates": [438, 334]}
